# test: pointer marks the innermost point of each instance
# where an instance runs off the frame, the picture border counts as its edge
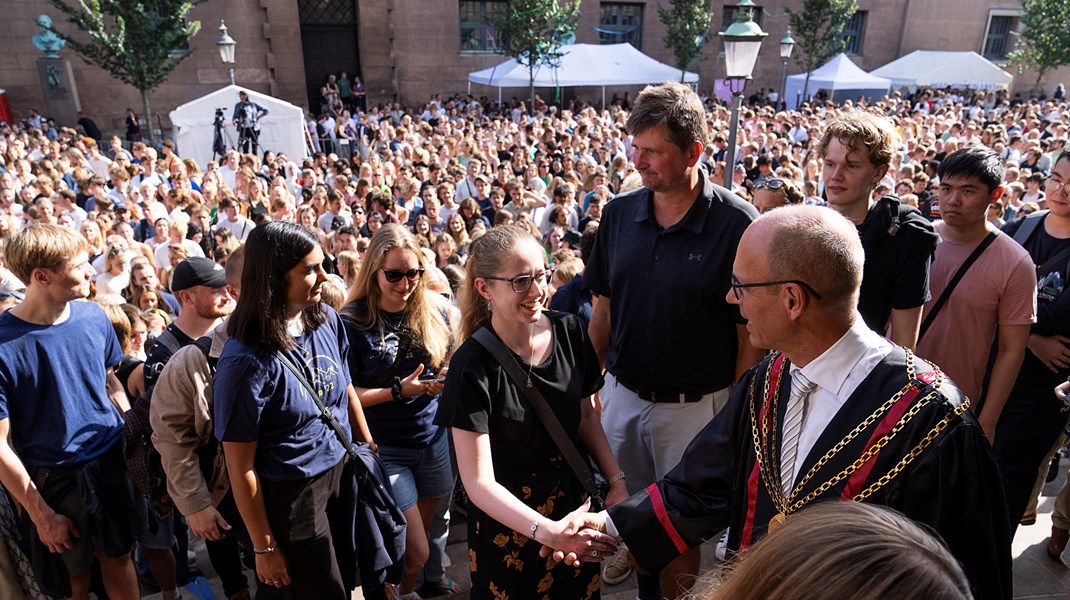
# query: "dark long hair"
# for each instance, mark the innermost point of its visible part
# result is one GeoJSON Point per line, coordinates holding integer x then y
{"type": "Point", "coordinates": [260, 316]}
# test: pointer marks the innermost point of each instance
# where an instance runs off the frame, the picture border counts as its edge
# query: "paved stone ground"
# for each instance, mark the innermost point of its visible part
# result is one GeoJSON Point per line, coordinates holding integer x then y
{"type": "Point", "coordinates": [1035, 575]}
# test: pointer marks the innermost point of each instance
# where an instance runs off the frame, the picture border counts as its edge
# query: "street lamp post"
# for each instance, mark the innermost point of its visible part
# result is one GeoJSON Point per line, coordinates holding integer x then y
{"type": "Point", "coordinates": [742, 40]}
{"type": "Point", "coordinates": [226, 45]}
{"type": "Point", "coordinates": [786, 46]}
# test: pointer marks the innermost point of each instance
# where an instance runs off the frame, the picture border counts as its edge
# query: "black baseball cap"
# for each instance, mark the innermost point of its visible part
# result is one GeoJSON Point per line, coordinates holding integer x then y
{"type": "Point", "coordinates": [198, 271]}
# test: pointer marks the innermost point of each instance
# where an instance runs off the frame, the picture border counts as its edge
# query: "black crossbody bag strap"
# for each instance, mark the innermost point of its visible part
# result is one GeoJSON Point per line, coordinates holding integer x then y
{"type": "Point", "coordinates": [324, 411]}
{"type": "Point", "coordinates": [972, 258]}
{"type": "Point", "coordinates": [546, 414]}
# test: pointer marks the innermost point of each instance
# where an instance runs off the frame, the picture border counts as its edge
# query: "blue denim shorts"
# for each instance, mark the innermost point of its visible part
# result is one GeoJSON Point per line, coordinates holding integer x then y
{"type": "Point", "coordinates": [419, 472]}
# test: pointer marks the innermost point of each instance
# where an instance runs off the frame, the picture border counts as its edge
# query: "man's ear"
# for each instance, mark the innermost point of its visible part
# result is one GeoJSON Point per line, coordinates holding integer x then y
{"type": "Point", "coordinates": [694, 152]}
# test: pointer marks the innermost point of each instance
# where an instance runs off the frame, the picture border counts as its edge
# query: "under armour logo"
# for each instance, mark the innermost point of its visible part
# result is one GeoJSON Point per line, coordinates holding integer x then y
{"type": "Point", "coordinates": [694, 257]}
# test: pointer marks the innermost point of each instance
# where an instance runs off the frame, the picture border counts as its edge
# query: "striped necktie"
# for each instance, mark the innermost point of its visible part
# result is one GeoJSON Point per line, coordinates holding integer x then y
{"type": "Point", "coordinates": [801, 388]}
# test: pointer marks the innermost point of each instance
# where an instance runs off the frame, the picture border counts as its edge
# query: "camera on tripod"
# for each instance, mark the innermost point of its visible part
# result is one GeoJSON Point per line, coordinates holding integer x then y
{"type": "Point", "coordinates": [219, 115]}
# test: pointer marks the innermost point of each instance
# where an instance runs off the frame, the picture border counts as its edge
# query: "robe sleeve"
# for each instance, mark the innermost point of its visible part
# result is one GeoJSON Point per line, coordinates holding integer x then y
{"type": "Point", "coordinates": [956, 490]}
{"type": "Point", "coordinates": [694, 500]}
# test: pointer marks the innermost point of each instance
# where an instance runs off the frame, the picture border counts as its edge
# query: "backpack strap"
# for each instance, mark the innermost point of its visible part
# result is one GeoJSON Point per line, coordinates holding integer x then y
{"type": "Point", "coordinates": [204, 344]}
{"type": "Point", "coordinates": [1028, 226]}
{"type": "Point", "coordinates": [169, 341]}
{"type": "Point", "coordinates": [890, 206]}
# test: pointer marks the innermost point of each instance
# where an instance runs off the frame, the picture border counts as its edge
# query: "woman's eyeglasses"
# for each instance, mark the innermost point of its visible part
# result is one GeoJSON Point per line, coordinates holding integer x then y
{"type": "Point", "coordinates": [395, 276]}
{"type": "Point", "coordinates": [522, 283]}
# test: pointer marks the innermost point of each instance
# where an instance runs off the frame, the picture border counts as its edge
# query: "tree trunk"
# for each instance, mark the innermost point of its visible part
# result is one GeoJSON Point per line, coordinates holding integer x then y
{"type": "Point", "coordinates": [1040, 80]}
{"type": "Point", "coordinates": [149, 135]}
{"type": "Point", "coordinates": [806, 89]}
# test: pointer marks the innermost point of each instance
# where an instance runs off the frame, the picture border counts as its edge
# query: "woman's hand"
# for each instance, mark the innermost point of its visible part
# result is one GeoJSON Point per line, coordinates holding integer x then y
{"type": "Point", "coordinates": [578, 538]}
{"type": "Point", "coordinates": [412, 386]}
{"type": "Point", "coordinates": [272, 568]}
{"type": "Point", "coordinates": [1062, 390]}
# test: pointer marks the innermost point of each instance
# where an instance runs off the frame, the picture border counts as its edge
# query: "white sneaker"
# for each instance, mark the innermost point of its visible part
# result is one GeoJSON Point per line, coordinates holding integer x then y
{"type": "Point", "coordinates": [722, 547]}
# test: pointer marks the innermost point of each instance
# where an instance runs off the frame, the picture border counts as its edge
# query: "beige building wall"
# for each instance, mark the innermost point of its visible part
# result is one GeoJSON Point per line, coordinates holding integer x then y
{"type": "Point", "coordinates": [410, 49]}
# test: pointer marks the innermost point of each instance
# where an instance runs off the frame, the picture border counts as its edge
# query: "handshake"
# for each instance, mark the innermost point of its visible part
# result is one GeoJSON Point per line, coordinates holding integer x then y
{"type": "Point", "coordinates": [578, 537]}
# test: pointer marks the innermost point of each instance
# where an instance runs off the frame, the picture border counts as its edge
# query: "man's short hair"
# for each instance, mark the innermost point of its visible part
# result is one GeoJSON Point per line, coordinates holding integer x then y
{"type": "Point", "coordinates": [41, 246]}
{"type": "Point", "coordinates": [974, 161]}
{"type": "Point", "coordinates": [818, 246]}
{"type": "Point", "coordinates": [873, 136]}
{"type": "Point", "coordinates": [674, 105]}
{"type": "Point", "coordinates": [232, 268]}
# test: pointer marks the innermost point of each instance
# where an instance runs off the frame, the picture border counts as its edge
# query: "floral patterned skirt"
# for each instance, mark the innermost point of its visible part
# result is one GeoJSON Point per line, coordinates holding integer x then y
{"type": "Point", "coordinates": [505, 564]}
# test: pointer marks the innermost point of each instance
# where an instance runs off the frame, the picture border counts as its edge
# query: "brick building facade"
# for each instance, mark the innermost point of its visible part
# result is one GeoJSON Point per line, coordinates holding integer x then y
{"type": "Point", "coordinates": [407, 50]}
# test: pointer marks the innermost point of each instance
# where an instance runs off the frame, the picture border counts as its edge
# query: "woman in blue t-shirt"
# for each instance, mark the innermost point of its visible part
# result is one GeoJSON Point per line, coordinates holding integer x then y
{"type": "Point", "coordinates": [399, 340]}
{"type": "Point", "coordinates": [284, 460]}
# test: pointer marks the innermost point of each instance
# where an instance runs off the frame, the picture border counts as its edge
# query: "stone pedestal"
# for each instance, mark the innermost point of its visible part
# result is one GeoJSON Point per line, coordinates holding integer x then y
{"type": "Point", "coordinates": [61, 93]}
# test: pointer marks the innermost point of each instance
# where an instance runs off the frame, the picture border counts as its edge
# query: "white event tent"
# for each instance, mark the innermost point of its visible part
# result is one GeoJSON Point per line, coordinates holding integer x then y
{"type": "Point", "coordinates": [282, 130]}
{"type": "Point", "coordinates": [936, 69]}
{"type": "Point", "coordinates": [585, 65]}
{"type": "Point", "coordinates": [840, 77]}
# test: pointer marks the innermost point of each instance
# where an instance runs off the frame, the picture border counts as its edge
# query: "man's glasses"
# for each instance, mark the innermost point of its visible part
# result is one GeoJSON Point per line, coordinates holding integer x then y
{"type": "Point", "coordinates": [395, 276]}
{"type": "Point", "coordinates": [772, 184]}
{"type": "Point", "coordinates": [522, 283]}
{"type": "Point", "coordinates": [737, 287]}
{"type": "Point", "coordinates": [1057, 187]}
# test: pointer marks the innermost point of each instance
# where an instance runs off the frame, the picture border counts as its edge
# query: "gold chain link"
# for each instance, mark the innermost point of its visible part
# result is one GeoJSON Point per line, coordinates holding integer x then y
{"type": "Point", "coordinates": [787, 505]}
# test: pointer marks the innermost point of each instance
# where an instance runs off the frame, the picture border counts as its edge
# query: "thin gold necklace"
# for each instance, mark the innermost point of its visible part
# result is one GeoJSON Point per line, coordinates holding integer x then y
{"type": "Point", "coordinates": [531, 363]}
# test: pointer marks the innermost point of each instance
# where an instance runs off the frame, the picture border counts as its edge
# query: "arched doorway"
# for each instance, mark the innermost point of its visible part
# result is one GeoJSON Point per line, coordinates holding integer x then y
{"type": "Point", "coordinates": [329, 40]}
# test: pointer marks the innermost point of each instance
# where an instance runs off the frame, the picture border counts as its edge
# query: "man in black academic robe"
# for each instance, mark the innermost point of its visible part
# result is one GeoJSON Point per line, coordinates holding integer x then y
{"type": "Point", "coordinates": [796, 278]}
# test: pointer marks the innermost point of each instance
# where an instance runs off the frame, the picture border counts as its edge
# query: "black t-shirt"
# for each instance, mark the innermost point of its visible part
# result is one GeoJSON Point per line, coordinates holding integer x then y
{"type": "Point", "coordinates": [896, 272]}
{"type": "Point", "coordinates": [480, 396]}
{"type": "Point", "coordinates": [1053, 306]}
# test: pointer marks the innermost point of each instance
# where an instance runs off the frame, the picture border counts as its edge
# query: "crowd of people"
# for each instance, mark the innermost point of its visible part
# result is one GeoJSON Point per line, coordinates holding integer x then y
{"type": "Point", "coordinates": [503, 300]}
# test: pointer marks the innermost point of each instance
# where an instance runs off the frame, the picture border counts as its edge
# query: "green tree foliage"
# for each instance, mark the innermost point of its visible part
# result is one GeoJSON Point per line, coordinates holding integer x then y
{"type": "Point", "coordinates": [1044, 41]}
{"type": "Point", "coordinates": [816, 28]}
{"type": "Point", "coordinates": [138, 43]}
{"type": "Point", "coordinates": [687, 25]}
{"type": "Point", "coordinates": [531, 31]}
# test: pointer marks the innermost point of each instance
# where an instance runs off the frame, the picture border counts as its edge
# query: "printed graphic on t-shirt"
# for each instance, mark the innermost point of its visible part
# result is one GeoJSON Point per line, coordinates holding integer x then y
{"type": "Point", "coordinates": [1050, 286]}
{"type": "Point", "coordinates": [325, 375]}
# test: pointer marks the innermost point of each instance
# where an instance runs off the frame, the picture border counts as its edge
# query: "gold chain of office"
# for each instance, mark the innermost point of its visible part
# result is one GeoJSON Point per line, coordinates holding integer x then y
{"type": "Point", "coordinates": [769, 465]}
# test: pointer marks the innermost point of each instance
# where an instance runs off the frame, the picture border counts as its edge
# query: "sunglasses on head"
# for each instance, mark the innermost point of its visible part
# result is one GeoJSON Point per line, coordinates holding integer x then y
{"type": "Point", "coordinates": [772, 184]}
{"type": "Point", "coordinates": [395, 276]}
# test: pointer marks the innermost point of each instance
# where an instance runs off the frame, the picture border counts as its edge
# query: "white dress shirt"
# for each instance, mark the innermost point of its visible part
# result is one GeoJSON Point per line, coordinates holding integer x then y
{"type": "Point", "coordinates": [837, 372]}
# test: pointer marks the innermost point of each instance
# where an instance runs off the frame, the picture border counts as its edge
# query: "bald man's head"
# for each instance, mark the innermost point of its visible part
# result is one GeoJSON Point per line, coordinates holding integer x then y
{"type": "Point", "coordinates": [812, 244]}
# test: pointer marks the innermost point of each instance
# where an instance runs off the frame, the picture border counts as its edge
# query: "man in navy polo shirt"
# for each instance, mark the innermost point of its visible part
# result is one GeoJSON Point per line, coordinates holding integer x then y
{"type": "Point", "coordinates": [660, 271]}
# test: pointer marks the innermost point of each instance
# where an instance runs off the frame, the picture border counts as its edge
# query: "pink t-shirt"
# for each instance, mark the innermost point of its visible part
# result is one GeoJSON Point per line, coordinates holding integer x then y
{"type": "Point", "coordinates": [999, 289]}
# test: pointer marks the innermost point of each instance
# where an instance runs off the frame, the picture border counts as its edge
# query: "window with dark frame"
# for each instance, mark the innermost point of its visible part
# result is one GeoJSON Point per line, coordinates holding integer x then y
{"type": "Point", "coordinates": [728, 16]}
{"type": "Point", "coordinates": [999, 41]}
{"type": "Point", "coordinates": [621, 22]}
{"type": "Point", "coordinates": [477, 32]}
{"type": "Point", "coordinates": [854, 32]}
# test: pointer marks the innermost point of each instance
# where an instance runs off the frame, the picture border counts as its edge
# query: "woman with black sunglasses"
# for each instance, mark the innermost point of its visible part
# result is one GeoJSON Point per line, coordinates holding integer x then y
{"type": "Point", "coordinates": [399, 341]}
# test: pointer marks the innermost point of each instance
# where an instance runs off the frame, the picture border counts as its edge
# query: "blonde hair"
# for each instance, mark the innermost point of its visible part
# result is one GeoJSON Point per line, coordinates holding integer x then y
{"type": "Point", "coordinates": [871, 135]}
{"type": "Point", "coordinates": [486, 258]}
{"type": "Point", "coordinates": [423, 315]}
{"type": "Point", "coordinates": [42, 246]}
{"type": "Point", "coordinates": [848, 551]}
